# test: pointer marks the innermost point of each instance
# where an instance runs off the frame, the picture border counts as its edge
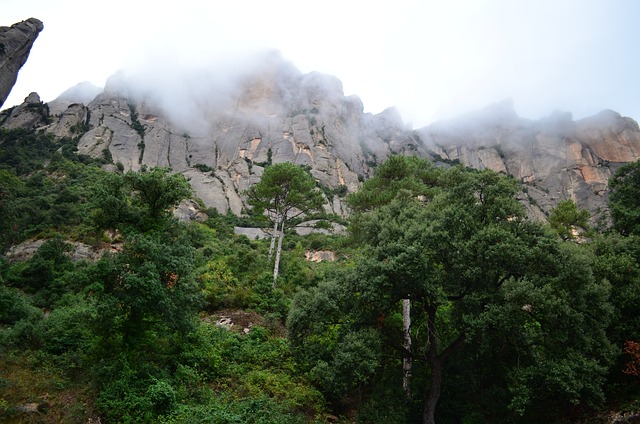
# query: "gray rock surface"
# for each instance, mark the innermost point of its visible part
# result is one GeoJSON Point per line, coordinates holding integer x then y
{"type": "Point", "coordinates": [277, 115]}
{"type": "Point", "coordinates": [31, 114]}
{"type": "Point", "coordinates": [222, 136]}
{"type": "Point", "coordinates": [82, 93]}
{"type": "Point", "coordinates": [78, 252]}
{"type": "Point", "coordinates": [15, 44]}
{"type": "Point", "coordinates": [556, 158]}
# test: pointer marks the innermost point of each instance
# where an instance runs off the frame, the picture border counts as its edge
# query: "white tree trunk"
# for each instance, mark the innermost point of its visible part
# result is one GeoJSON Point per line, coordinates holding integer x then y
{"type": "Point", "coordinates": [274, 235]}
{"type": "Point", "coordinates": [406, 361]}
{"type": "Point", "coordinates": [276, 266]}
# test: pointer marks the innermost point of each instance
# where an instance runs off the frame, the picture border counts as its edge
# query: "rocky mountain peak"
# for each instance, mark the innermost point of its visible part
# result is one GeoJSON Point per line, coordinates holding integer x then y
{"type": "Point", "coordinates": [556, 158]}
{"type": "Point", "coordinates": [83, 92]}
{"type": "Point", "coordinates": [15, 44]}
{"type": "Point", "coordinates": [222, 127]}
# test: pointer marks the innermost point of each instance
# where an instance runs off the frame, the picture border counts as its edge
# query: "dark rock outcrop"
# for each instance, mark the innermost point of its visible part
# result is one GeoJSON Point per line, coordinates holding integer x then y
{"type": "Point", "coordinates": [15, 44]}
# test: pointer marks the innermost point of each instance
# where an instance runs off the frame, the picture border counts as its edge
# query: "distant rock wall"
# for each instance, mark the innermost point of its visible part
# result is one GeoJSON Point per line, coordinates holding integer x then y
{"type": "Point", "coordinates": [276, 114]}
{"type": "Point", "coordinates": [556, 158]}
{"type": "Point", "coordinates": [15, 44]}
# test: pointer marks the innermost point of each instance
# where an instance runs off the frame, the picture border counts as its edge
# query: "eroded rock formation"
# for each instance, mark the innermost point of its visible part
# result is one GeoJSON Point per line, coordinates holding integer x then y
{"type": "Point", "coordinates": [15, 44]}
{"type": "Point", "coordinates": [222, 139]}
{"type": "Point", "coordinates": [555, 158]}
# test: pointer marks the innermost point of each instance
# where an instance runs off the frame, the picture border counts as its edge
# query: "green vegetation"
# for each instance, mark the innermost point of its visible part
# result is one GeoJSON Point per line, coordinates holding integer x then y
{"type": "Point", "coordinates": [444, 304]}
{"type": "Point", "coordinates": [285, 193]}
{"type": "Point", "coordinates": [202, 167]}
{"type": "Point", "coordinates": [625, 202]}
{"type": "Point", "coordinates": [568, 221]}
{"type": "Point", "coordinates": [137, 126]}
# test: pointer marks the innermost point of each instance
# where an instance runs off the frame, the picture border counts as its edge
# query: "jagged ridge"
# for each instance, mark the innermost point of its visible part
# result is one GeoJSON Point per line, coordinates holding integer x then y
{"type": "Point", "coordinates": [221, 139]}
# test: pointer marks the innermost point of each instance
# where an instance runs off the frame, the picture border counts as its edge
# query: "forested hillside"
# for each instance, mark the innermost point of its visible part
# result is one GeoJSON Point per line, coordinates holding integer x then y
{"type": "Point", "coordinates": [442, 303]}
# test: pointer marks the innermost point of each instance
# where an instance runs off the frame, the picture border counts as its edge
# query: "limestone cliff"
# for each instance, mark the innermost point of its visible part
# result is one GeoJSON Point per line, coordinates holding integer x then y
{"type": "Point", "coordinates": [555, 158]}
{"type": "Point", "coordinates": [221, 137]}
{"type": "Point", "coordinates": [15, 44]}
{"type": "Point", "coordinates": [275, 115]}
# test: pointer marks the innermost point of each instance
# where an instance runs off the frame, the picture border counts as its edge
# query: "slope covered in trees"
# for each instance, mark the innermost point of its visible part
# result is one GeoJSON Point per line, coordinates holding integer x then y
{"type": "Point", "coordinates": [444, 304]}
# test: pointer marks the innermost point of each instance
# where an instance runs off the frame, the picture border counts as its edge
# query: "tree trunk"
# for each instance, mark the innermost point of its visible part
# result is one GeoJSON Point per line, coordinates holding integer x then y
{"type": "Point", "coordinates": [406, 361]}
{"type": "Point", "coordinates": [436, 364]}
{"type": "Point", "coordinates": [276, 266]}
{"type": "Point", "coordinates": [274, 235]}
{"type": "Point", "coordinates": [430, 403]}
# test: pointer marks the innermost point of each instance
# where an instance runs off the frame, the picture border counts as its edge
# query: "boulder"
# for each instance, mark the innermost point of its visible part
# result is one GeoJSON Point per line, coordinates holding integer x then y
{"type": "Point", "coordinates": [31, 114]}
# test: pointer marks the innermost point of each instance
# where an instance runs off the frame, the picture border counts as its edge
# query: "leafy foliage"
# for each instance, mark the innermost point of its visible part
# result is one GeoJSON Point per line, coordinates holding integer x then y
{"type": "Point", "coordinates": [568, 221]}
{"type": "Point", "coordinates": [285, 192]}
{"type": "Point", "coordinates": [456, 244]}
{"type": "Point", "coordinates": [624, 200]}
{"type": "Point", "coordinates": [513, 323]}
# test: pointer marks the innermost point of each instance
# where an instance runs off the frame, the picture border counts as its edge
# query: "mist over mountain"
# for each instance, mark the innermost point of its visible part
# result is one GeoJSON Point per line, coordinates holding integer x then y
{"type": "Point", "coordinates": [221, 123]}
{"type": "Point", "coordinates": [442, 303]}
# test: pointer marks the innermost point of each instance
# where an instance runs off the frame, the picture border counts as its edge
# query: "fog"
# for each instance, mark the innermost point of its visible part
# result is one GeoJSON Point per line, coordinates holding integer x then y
{"type": "Point", "coordinates": [191, 95]}
{"type": "Point", "coordinates": [430, 60]}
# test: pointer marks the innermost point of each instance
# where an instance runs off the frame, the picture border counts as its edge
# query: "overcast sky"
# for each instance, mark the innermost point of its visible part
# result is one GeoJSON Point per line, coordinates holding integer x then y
{"type": "Point", "coordinates": [430, 59]}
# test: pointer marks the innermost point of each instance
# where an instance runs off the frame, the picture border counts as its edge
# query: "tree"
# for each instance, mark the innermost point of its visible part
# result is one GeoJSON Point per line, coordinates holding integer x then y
{"type": "Point", "coordinates": [446, 255]}
{"type": "Point", "coordinates": [8, 185]}
{"type": "Point", "coordinates": [398, 173]}
{"type": "Point", "coordinates": [148, 291]}
{"type": "Point", "coordinates": [624, 199]}
{"type": "Point", "coordinates": [568, 221]}
{"type": "Point", "coordinates": [404, 175]}
{"type": "Point", "coordinates": [285, 192]}
{"type": "Point", "coordinates": [110, 201]}
{"type": "Point", "coordinates": [458, 250]}
{"type": "Point", "coordinates": [141, 199]}
{"type": "Point", "coordinates": [157, 190]}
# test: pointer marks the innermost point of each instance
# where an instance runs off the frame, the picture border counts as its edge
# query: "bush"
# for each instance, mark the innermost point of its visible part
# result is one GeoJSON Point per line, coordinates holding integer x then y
{"type": "Point", "coordinates": [126, 393]}
{"type": "Point", "coordinates": [67, 329]}
{"type": "Point", "coordinates": [14, 306]}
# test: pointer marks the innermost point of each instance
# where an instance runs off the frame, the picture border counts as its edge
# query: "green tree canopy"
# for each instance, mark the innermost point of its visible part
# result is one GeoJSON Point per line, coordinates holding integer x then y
{"type": "Point", "coordinates": [624, 199]}
{"type": "Point", "coordinates": [285, 192]}
{"type": "Point", "coordinates": [141, 199]}
{"type": "Point", "coordinates": [458, 250]}
{"type": "Point", "coordinates": [398, 173]}
{"type": "Point", "coordinates": [156, 190]}
{"type": "Point", "coordinates": [569, 221]}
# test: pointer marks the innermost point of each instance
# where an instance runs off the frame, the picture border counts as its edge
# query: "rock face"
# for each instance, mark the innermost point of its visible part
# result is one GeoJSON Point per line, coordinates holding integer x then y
{"type": "Point", "coordinates": [15, 44]}
{"type": "Point", "coordinates": [78, 252]}
{"type": "Point", "coordinates": [271, 116]}
{"type": "Point", "coordinates": [556, 158]}
{"type": "Point", "coordinates": [222, 136]}
{"type": "Point", "coordinates": [31, 114]}
{"type": "Point", "coordinates": [81, 93]}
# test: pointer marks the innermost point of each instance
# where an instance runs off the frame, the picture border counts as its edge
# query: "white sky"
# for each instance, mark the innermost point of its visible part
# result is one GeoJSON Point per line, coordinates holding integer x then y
{"type": "Point", "coordinates": [430, 59]}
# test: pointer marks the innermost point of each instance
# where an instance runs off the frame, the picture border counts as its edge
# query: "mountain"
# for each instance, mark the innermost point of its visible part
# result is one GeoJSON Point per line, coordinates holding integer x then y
{"type": "Point", "coordinates": [15, 44]}
{"type": "Point", "coordinates": [555, 158]}
{"type": "Point", "coordinates": [221, 132]}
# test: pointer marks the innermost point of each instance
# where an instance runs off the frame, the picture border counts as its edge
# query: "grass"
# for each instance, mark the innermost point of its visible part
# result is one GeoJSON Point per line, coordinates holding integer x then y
{"type": "Point", "coordinates": [29, 381]}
